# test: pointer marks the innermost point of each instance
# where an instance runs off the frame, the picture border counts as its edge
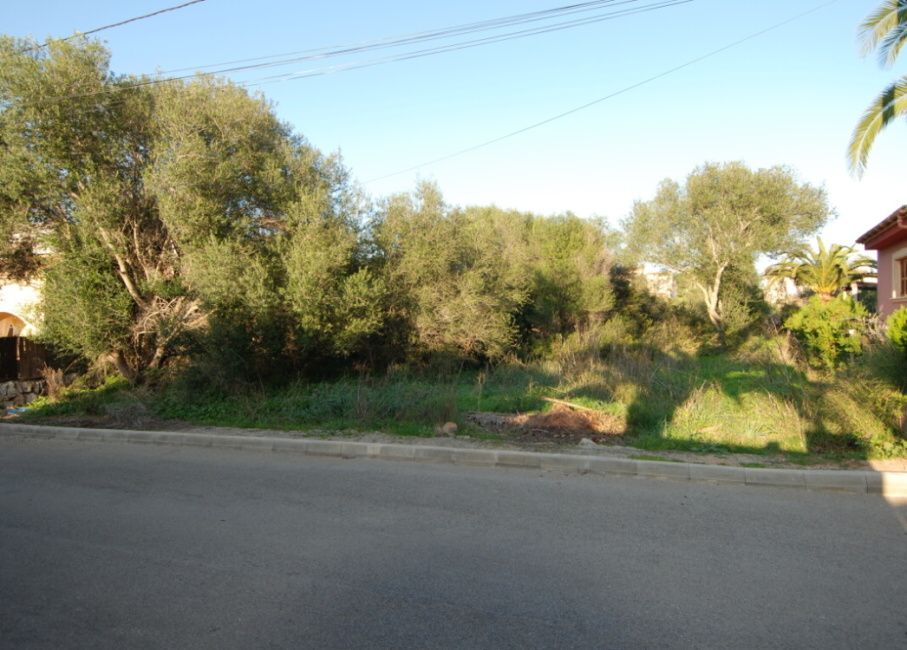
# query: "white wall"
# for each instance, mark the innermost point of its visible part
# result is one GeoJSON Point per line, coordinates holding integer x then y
{"type": "Point", "coordinates": [20, 300]}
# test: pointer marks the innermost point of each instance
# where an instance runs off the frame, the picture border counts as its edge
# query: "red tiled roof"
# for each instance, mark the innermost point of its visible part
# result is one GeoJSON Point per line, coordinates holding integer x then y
{"type": "Point", "coordinates": [897, 220]}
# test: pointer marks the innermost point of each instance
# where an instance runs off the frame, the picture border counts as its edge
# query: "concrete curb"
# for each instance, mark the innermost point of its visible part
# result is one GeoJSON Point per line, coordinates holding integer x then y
{"type": "Point", "coordinates": [889, 484]}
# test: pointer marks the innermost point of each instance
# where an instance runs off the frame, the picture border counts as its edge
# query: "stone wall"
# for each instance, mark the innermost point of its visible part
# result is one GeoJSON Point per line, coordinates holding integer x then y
{"type": "Point", "coordinates": [22, 392]}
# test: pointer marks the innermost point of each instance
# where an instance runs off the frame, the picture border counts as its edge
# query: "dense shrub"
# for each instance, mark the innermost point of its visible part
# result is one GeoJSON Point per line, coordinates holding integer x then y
{"type": "Point", "coordinates": [897, 329]}
{"type": "Point", "coordinates": [830, 330]}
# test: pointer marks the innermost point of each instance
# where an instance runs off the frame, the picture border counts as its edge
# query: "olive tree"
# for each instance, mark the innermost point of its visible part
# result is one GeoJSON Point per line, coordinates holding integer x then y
{"type": "Point", "coordinates": [166, 207]}
{"type": "Point", "coordinates": [723, 216]}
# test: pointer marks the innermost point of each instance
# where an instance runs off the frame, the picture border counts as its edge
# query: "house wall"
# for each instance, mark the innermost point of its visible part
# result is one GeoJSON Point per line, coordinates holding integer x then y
{"type": "Point", "coordinates": [889, 279]}
{"type": "Point", "coordinates": [19, 300]}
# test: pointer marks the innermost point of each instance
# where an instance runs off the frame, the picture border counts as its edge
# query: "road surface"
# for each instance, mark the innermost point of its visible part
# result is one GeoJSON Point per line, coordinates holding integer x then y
{"type": "Point", "coordinates": [132, 546]}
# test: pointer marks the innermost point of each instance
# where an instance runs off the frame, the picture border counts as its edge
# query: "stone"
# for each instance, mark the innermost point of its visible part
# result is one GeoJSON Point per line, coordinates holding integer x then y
{"type": "Point", "coordinates": [588, 444]}
{"type": "Point", "coordinates": [447, 429]}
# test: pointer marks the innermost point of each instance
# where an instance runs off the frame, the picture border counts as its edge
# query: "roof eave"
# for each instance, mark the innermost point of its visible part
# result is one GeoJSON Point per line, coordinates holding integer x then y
{"type": "Point", "coordinates": [885, 230]}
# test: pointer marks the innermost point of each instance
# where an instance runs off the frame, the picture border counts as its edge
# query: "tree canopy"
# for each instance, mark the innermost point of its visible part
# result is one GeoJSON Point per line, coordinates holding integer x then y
{"type": "Point", "coordinates": [723, 216]}
{"type": "Point", "coordinates": [481, 280]}
{"type": "Point", "coordinates": [167, 206]}
{"type": "Point", "coordinates": [184, 218]}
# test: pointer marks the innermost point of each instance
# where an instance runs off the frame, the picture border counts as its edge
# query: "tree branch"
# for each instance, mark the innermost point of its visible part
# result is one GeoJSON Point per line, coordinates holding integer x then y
{"type": "Point", "coordinates": [123, 271]}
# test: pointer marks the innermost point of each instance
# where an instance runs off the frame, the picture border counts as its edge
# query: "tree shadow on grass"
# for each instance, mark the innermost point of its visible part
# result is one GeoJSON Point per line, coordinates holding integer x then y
{"type": "Point", "coordinates": [723, 403]}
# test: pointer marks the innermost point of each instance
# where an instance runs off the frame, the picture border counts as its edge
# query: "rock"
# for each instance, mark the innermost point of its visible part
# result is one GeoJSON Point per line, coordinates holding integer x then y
{"type": "Point", "coordinates": [588, 444]}
{"type": "Point", "coordinates": [30, 397]}
{"type": "Point", "coordinates": [447, 429]}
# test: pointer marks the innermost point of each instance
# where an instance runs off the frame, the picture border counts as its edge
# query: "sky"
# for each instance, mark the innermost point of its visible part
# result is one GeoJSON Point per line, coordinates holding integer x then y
{"type": "Point", "coordinates": [791, 96]}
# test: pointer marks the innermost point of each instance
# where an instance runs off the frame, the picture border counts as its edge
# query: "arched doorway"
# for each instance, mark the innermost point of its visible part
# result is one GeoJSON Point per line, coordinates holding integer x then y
{"type": "Point", "coordinates": [11, 325]}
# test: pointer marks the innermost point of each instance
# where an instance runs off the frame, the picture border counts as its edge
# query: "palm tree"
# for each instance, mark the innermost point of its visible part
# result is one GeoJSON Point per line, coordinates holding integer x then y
{"type": "Point", "coordinates": [884, 30]}
{"type": "Point", "coordinates": [825, 271]}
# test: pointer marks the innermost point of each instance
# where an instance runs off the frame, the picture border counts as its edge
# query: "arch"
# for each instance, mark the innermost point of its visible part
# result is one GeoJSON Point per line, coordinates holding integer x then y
{"type": "Point", "coordinates": [11, 325]}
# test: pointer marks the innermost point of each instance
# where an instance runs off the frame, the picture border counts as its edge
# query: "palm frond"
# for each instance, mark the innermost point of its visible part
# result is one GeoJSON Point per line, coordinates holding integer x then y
{"type": "Point", "coordinates": [888, 106]}
{"type": "Point", "coordinates": [894, 41]}
{"type": "Point", "coordinates": [879, 23]}
{"type": "Point", "coordinates": [825, 270]}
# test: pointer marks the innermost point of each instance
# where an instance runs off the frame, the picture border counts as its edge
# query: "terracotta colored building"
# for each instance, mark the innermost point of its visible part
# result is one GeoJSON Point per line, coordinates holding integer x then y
{"type": "Point", "coordinates": [889, 238]}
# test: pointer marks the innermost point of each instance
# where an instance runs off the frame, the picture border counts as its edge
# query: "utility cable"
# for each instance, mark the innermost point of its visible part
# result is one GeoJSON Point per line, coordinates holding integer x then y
{"type": "Point", "coordinates": [399, 57]}
{"type": "Point", "coordinates": [616, 93]}
{"type": "Point", "coordinates": [112, 25]}
{"type": "Point", "coordinates": [408, 39]}
{"type": "Point", "coordinates": [500, 38]}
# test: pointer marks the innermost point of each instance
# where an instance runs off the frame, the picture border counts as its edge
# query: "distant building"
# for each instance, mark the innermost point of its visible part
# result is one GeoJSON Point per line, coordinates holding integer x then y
{"type": "Point", "coordinates": [889, 238]}
{"type": "Point", "coordinates": [660, 282]}
{"type": "Point", "coordinates": [780, 291]}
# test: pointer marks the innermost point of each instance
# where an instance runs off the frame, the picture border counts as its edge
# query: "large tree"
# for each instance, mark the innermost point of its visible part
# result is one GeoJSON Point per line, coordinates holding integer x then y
{"type": "Point", "coordinates": [479, 281]}
{"type": "Point", "coordinates": [884, 31]}
{"type": "Point", "coordinates": [450, 275]}
{"type": "Point", "coordinates": [723, 217]}
{"type": "Point", "coordinates": [168, 206]}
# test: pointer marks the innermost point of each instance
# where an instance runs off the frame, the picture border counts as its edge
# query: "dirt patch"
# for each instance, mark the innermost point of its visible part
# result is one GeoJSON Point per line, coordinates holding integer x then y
{"type": "Point", "coordinates": [560, 423]}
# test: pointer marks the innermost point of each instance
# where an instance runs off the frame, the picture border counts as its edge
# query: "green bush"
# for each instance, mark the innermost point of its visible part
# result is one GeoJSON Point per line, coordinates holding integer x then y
{"type": "Point", "coordinates": [830, 330]}
{"type": "Point", "coordinates": [897, 329]}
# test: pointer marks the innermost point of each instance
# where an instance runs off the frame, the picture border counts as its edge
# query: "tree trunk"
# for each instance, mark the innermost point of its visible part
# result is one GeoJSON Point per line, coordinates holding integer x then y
{"type": "Point", "coordinates": [159, 352]}
{"type": "Point", "coordinates": [712, 301]}
{"type": "Point", "coordinates": [124, 368]}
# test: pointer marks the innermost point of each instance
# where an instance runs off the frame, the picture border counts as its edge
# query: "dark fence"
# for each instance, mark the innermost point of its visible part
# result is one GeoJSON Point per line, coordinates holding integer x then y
{"type": "Point", "coordinates": [21, 358]}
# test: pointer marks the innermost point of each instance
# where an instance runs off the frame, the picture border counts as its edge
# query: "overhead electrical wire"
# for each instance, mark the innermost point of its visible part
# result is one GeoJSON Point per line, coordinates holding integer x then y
{"type": "Point", "coordinates": [289, 76]}
{"type": "Point", "coordinates": [660, 4]}
{"type": "Point", "coordinates": [413, 38]}
{"type": "Point", "coordinates": [116, 24]}
{"type": "Point", "coordinates": [616, 93]}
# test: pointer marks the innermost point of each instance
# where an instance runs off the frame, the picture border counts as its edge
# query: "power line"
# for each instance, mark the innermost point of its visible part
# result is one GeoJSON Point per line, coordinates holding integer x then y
{"type": "Point", "coordinates": [417, 37]}
{"type": "Point", "coordinates": [112, 25]}
{"type": "Point", "coordinates": [616, 93]}
{"type": "Point", "coordinates": [400, 57]}
{"type": "Point", "coordinates": [563, 25]}
{"type": "Point", "coordinates": [500, 38]}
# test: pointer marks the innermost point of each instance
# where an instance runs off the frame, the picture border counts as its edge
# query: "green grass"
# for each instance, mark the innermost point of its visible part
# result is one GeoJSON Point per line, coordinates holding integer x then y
{"type": "Point", "coordinates": [713, 404]}
{"type": "Point", "coordinates": [94, 401]}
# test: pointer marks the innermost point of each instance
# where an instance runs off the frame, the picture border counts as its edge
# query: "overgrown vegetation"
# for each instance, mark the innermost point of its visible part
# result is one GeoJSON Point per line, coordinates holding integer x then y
{"type": "Point", "coordinates": [897, 329]}
{"type": "Point", "coordinates": [207, 264]}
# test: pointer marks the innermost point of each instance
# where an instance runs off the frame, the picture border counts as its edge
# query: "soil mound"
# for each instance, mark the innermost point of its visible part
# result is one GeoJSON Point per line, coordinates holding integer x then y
{"type": "Point", "coordinates": [561, 422]}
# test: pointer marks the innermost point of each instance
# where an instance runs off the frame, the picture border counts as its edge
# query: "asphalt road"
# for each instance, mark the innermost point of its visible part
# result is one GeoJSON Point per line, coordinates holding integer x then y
{"type": "Point", "coordinates": [131, 546]}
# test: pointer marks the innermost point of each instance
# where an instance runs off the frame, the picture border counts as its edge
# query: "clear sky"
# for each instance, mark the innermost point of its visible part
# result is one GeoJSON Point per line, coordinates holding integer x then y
{"type": "Point", "coordinates": [791, 96]}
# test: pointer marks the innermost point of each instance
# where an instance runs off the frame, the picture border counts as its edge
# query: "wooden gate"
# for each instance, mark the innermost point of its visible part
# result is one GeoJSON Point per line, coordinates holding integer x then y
{"type": "Point", "coordinates": [21, 358]}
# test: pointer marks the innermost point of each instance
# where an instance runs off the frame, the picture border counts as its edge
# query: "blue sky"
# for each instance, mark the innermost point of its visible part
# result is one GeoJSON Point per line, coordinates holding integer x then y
{"type": "Point", "coordinates": [789, 97]}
